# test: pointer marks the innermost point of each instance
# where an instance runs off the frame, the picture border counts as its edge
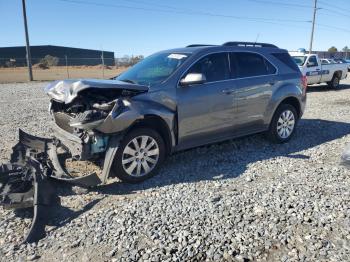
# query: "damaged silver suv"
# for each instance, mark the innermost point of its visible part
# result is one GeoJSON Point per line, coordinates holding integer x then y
{"type": "Point", "coordinates": [175, 100]}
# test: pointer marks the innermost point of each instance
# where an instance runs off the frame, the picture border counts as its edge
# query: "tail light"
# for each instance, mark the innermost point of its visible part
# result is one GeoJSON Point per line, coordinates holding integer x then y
{"type": "Point", "coordinates": [304, 83]}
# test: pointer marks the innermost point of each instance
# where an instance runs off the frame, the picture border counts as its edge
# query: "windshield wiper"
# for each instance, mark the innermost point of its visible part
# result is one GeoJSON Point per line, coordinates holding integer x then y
{"type": "Point", "coordinates": [129, 81]}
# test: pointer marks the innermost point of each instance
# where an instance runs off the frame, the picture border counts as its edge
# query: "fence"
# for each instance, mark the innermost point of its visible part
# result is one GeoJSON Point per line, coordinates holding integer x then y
{"type": "Point", "coordinates": [337, 55]}
{"type": "Point", "coordinates": [326, 54]}
{"type": "Point", "coordinates": [54, 68]}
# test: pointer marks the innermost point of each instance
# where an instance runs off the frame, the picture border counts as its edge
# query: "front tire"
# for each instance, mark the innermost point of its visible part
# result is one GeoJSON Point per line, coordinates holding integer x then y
{"type": "Point", "coordinates": [139, 156]}
{"type": "Point", "coordinates": [283, 124]}
{"type": "Point", "coordinates": [335, 82]}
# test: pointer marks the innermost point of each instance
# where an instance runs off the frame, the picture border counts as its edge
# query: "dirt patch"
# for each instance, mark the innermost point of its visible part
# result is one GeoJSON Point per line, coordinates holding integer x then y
{"type": "Point", "coordinates": [82, 168]}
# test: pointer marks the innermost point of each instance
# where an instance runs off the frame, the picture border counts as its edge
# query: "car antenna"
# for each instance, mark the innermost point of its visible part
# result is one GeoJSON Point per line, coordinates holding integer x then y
{"type": "Point", "coordinates": [256, 39]}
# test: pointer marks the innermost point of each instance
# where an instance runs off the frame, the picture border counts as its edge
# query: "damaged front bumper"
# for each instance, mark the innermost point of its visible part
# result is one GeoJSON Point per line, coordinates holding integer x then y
{"type": "Point", "coordinates": [26, 180]}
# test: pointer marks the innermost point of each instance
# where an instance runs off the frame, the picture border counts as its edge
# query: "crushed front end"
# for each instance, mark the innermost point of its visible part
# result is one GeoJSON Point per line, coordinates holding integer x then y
{"type": "Point", "coordinates": [85, 134]}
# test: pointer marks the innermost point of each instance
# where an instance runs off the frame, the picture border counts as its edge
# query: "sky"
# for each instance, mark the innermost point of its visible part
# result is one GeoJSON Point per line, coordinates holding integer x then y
{"type": "Point", "coordinates": [142, 27]}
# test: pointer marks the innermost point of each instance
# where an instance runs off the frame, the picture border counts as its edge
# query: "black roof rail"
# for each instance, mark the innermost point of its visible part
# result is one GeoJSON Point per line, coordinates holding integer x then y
{"type": "Point", "coordinates": [249, 44]}
{"type": "Point", "coordinates": [198, 45]}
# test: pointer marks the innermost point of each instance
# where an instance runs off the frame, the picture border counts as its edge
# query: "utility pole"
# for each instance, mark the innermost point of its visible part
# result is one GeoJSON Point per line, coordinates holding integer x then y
{"type": "Point", "coordinates": [103, 64]}
{"type": "Point", "coordinates": [28, 56]}
{"type": "Point", "coordinates": [313, 27]}
{"type": "Point", "coordinates": [67, 65]}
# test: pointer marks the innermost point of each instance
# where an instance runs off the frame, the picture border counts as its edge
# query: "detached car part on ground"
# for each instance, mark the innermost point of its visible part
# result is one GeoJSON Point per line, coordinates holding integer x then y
{"type": "Point", "coordinates": [171, 101]}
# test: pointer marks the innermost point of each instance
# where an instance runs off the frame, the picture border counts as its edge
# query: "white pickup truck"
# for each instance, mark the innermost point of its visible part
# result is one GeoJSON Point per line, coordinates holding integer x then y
{"type": "Point", "coordinates": [310, 65]}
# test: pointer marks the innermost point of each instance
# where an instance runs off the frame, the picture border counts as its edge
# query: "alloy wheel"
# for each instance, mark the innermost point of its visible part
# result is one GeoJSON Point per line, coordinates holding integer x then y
{"type": "Point", "coordinates": [140, 156]}
{"type": "Point", "coordinates": [286, 124]}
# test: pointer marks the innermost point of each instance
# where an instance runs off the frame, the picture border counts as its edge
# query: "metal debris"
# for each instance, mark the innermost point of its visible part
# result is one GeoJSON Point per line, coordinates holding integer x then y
{"type": "Point", "coordinates": [26, 181]}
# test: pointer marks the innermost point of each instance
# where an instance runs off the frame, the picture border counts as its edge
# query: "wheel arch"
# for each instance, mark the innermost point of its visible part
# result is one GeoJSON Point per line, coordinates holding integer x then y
{"type": "Point", "coordinates": [293, 101]}
{"type": "Point", "coordinates": [289, 100]}
{"type": "Point", "coordinates": [289, 94]}
{"type": "Point", "coordinates": [158, 124]}
{"type": "Point", "coordinates": [338, 73]}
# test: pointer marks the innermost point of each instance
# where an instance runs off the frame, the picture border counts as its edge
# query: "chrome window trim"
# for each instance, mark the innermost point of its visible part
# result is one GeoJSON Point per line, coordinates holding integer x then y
{"type": "Point", "coordinates": [229, 63]}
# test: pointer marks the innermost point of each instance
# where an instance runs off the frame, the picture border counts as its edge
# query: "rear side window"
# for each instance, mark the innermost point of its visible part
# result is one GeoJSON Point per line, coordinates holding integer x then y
{"type": "Point", "coordinates": [287, 60]}
{"type": "Point", "coordinates": [245, 64]}
{"type": "Point", "coordinates": [215, 67]}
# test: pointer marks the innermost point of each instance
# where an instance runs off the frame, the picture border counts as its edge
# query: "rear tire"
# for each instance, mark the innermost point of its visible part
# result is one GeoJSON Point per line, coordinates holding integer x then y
{"type": "Point", "coordinates": [334, 83]}
{"type": "Point", "coordinates": [139, 155]}
{"type": "Point", "coordinates": [283, 124]}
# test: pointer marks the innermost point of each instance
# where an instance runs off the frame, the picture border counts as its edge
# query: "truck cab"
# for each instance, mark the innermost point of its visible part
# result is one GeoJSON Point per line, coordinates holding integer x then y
{"type": "Point", "coordinates": [318, 72]}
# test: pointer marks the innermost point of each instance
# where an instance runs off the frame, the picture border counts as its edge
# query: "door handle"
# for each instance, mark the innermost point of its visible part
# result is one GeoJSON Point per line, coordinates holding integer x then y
{"type": "Point", "coordinates": [271, 83]}
{"type": "Point", "coordinates": [228, 91]}
{"type": "Point", "coordinates": [318, 69]}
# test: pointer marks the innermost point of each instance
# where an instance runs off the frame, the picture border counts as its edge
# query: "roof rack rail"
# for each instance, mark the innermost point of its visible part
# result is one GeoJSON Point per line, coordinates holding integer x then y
{"type": "Point", "coordinates": [249, 44]}
{"type": "Point", "coordinates": [198, 45]}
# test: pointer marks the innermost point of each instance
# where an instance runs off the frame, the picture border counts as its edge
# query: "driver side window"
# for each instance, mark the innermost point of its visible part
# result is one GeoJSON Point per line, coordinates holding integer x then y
{"type": "Point", "coordinates": [312, 61]}
{"type": "Point", "coordinates": [214, 67]}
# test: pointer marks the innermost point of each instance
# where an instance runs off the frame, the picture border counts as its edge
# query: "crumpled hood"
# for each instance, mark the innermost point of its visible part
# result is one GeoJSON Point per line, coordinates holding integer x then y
{"type": "Point", "coordinates": [67, 90]}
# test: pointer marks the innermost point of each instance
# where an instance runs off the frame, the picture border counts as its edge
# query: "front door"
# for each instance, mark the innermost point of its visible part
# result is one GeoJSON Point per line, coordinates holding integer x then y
{"type": "Point", "coordinates": [206, 111]}
{"type": "Point", "coordinates": [313, 72]}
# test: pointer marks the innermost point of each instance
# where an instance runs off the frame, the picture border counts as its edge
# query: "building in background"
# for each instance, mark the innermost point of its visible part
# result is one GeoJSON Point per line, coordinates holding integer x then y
{"type": "Point", "coordinates": [325, 54]}
{"type": "Point", "coordinates": [73, 56]}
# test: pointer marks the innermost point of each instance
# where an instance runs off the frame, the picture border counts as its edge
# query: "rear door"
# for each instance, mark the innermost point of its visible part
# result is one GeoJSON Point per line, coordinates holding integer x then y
{"type": "Point", "coordinates": [255, 78]}
{"type": "Point", "coordinates": [206, 111]}
{"type": "Point", "coordinates": [326, 72]}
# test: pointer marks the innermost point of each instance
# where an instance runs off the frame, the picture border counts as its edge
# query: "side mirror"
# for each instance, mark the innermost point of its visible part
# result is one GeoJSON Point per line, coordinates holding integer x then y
{"type": "Point", "coordinates": [311, 64]}
{"type": "Point", "coordinates": [192, 79]}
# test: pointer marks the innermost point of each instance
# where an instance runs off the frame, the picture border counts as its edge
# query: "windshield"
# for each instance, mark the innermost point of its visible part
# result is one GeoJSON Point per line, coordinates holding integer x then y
{"type": "Point", "coordinates": [153, 69]}
{"type": "Point", "coordinates": [299, 60]}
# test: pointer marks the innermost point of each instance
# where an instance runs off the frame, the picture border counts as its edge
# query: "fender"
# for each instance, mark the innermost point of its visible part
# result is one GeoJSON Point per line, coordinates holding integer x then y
{"type": "Point", "coordinates": [283, 92]}
{"type": "Point", "coordinates": [124, 117]}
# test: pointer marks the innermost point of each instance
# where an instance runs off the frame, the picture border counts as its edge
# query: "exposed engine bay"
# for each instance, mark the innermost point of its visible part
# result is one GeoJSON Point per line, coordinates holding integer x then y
{"type": "Point", "coordinates": [88, 109]}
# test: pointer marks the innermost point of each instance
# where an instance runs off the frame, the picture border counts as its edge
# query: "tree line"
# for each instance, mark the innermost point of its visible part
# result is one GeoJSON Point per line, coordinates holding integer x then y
{"type": "Point", "coordinates": [333, 49]}
{"type": "Point", "coordinates": [127, 60]}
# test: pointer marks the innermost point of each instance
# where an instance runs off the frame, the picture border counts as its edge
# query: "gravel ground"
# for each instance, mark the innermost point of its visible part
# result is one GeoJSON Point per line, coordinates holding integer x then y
{"type": "Point", "coordinates": [242, 200]}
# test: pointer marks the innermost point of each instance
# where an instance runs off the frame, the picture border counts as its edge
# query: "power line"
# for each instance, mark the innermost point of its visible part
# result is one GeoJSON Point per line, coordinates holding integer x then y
{"type": "Point", "coordinates": [335, 12]}
{"type": "Point", "coordinates": [187, 11]}
{"type": "Point", "coordinates": [326, 7]}
{"type": "Point", "coordinates": [327, 13]}
{"type": "Point", "coordinates": [281, 4]}
{"type": "Point", "coordinates": [335, 6]}
{"type": "Point", "coordinates": [270, 2]}
{"type": "Point", "coordinates": [334, 27]}
{"type": "Point", "coordinates": [158, 5]}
